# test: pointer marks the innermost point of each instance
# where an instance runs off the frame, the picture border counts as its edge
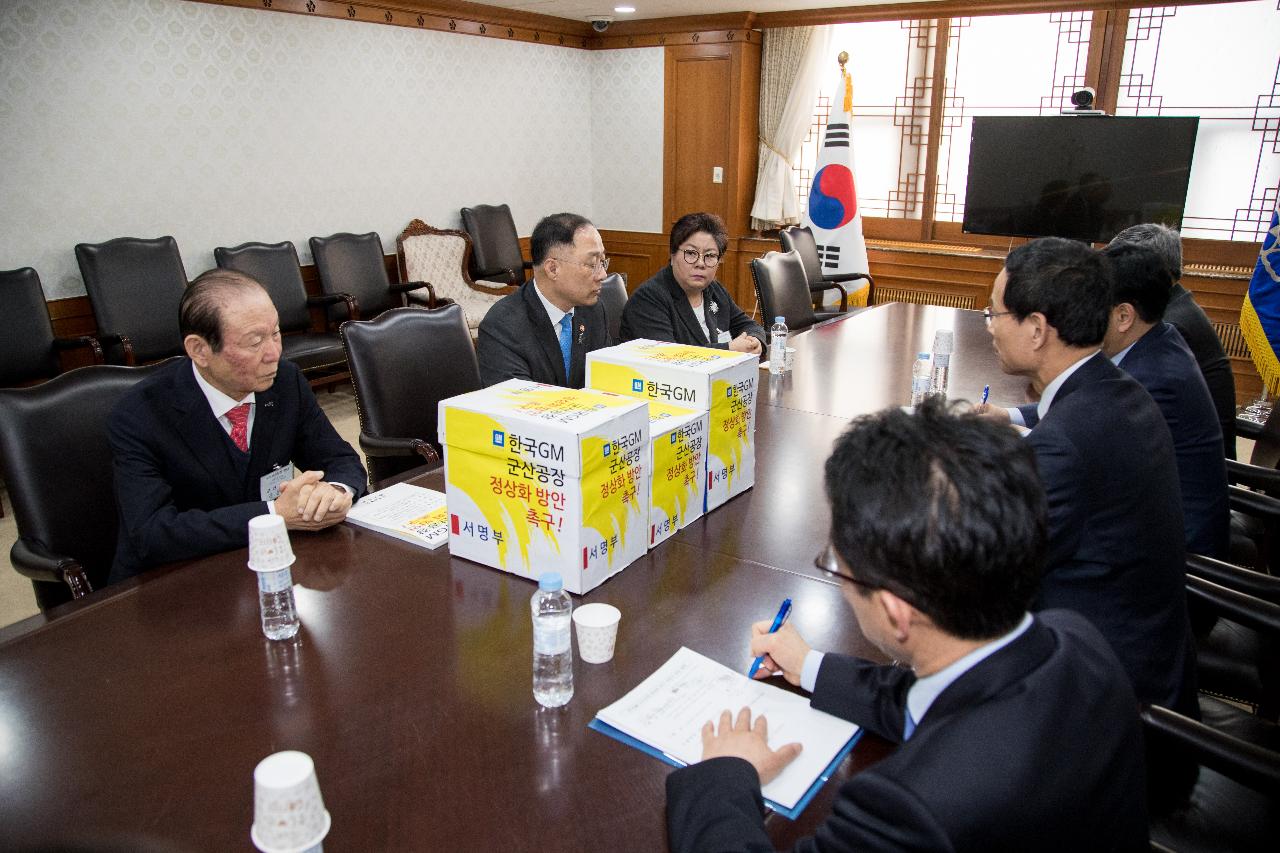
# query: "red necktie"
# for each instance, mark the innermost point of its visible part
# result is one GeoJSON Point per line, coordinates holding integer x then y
{"type": "Point", "coordinates": [239, 418]}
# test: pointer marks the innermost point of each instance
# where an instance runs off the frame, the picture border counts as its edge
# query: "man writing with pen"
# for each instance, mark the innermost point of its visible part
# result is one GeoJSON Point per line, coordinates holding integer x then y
{"type": "Point", "coordinates": [1015, 731]}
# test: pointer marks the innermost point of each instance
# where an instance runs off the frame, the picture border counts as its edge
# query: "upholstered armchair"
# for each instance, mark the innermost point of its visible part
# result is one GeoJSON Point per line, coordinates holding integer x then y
{"type": "Point", "coordinates": [440, 257]}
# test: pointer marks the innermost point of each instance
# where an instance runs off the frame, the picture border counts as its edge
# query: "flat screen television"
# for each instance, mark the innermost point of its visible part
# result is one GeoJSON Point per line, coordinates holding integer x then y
{"type": "Point", "coordinates": [1081, 177]}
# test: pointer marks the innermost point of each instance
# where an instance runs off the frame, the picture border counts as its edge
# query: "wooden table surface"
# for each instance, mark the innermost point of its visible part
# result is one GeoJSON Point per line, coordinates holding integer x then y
{"type": "Point", "coordinates": [144, 711]}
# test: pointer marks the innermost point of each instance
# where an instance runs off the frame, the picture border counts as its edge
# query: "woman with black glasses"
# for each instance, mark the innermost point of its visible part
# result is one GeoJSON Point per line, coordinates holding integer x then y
{"type": "Point", "coordinates": [683, 303]}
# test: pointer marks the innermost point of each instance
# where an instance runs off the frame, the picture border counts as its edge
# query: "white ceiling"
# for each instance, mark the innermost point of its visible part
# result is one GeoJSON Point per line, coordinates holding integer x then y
{"type": "Point", "coordinates": [585, 9]}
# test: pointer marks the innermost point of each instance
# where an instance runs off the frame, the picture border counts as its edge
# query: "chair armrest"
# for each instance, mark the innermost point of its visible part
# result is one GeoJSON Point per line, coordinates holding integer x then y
{"type": "Point", "coordinates": [81, 341]}
{"type": "Point", "coordinates": [1235, 578]}
{"type": "Point", "coordinates": [393, 447]}
{"type": "Point", "coordinates": [432, 299]}
{"type": "Point", "coordinates": [825, 285]}
{"type": "Point", "coordinates": [33, 560]}
{"type": "Point", "coordinates": [108, 338]}
{"type": "Point", "coordinates": [1256, 504]}
{"type": "Point", "coordinates": [1247, 763]}
{"type": "Point", "coordinates": [1242, 609]}
{"type": "Point", "coordinates": [1253, 476]}
{"type": "Point", "coordinates": [1246, 428]}
{"type": "Point", "coordinates": [846, 276]}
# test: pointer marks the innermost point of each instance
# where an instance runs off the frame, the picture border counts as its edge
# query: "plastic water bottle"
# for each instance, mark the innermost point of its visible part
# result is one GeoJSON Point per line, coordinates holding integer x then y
{"type": "Point", "coordinates": [275, 604]}
{"type": "Point", "coordinates": [943, 343]}
{"type": "Point", "coordinates": [778, 333]}
{"type": "Point", "coordinates": [552, 653]}
{"type": "Point", "coordinates": [920, 379]}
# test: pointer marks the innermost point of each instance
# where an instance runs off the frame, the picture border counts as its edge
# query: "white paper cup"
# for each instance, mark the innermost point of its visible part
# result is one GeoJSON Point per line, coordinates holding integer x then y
{"type": "Point", "coordinates": [597, 629]}
{"type": "Point", "coordinates": [790, 359]}
{"type": "Point", "coordinates": [269, 547]}
{"type": "Point", "coordinates": [288, 811]}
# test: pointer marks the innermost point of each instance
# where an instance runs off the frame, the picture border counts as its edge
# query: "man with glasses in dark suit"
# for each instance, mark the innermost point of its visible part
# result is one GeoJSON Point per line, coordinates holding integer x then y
{"type": "Point", "coordinates": [543, 331]}
{"type": "Point", "coordinates": [1017, 731]}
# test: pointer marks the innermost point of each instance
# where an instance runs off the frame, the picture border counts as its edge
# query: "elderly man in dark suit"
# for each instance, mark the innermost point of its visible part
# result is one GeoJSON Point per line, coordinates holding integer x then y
{"type": "Point", "coordinates": [938, 525]}
{"type": "Point", "coordinates": [1192, 323]}
{"type": "Point", "coordinates": [1153, 352]}
{"type": "Point", "coordinates": [213, 440]}
{"type": "Point", "coordinates": [544, 331]}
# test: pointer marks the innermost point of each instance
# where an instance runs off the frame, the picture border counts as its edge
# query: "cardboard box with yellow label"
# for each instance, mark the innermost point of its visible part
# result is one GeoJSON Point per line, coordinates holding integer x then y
{"type": "Point", "coordinates": [540, 478]}
{"type": "Point", "coordinates": [677, 469]}
{"type": "Point", "coordinates": [721, 382]}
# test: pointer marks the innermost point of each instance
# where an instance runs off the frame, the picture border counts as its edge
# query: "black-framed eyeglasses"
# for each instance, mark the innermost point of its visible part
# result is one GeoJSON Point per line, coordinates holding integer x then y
{"type": "Point", "coordinates": [601, 264]}
{"type": "Point", "coordinates": [692, 256]}
{"type": "Point", "coordinates": [989, 315]}
{"type": "Point", "coordinates": [826, 560]}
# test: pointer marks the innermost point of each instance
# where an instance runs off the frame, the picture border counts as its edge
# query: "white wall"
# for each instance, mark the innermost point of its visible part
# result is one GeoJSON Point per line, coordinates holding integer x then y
{"type": "Point", "coordinates": [220, 125]}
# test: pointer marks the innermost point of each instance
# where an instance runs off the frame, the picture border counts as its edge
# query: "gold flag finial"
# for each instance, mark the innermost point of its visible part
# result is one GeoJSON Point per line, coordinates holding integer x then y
{"type": "Point", "coordinates": [843, 58]}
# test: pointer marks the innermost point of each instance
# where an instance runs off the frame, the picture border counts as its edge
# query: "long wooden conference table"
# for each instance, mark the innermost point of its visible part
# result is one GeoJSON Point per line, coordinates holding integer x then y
{"type": "Point", "coordinates": [140, 714]}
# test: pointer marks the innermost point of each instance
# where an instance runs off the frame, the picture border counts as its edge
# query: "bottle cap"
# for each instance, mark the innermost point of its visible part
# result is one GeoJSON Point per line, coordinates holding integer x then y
{"type": "Point", "coordinates": [778, 319]}
{"type": "Point", "coordinates": [923, 355]}
{"type": "Point", "coordinates": [550, 581]}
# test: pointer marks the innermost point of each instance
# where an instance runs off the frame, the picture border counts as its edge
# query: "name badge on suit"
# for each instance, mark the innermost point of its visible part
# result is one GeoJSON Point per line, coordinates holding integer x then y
{"type": "Point", "coordinates": [270, 483]}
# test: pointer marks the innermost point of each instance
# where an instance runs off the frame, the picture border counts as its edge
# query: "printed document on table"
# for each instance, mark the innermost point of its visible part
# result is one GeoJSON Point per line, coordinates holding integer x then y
{"type": "Point", "coordinates": [668, 709]}
{"type": "Point", "coordinates": [406, 512]}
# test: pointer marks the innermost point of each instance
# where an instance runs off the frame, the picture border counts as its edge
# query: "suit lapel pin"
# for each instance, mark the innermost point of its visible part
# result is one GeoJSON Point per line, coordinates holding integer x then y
{"type": "Point", "coordinates": [715, 308]}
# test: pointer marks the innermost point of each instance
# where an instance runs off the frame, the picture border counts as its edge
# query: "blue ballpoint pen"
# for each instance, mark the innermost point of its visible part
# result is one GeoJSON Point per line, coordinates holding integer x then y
{"type": "Point", "coordinates": [783, 612]}
{"type": "Point", "coordinates": [986, 392]}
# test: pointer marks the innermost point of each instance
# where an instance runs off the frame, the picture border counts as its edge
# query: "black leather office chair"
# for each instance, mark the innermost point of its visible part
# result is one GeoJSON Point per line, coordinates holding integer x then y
{"type": "Point", "coordinates": [402, 365]}
{"type": "Point", "coordinates": [275, 266]}
{"type": "Point", "coordinates": [800, 240]}
{"type": "Point", "coordinates": [783, 291]}
{"type": "Point", "coordinates": [135, 286]}
{"type": "Point", "coordinates": [495, 245]}
{"type": "Point", "coordinates": [353, 264]}
{"type": "Point", "coordinates": [1235, 804]}
{"type": "Point", "coordinates": [613, 293]}
{"type": "Point", "coordinates": [28, 348]}
{"type": "Point", "coordinates": [57, 462]}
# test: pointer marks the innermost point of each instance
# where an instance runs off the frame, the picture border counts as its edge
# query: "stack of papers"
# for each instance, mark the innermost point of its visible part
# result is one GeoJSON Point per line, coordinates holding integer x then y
{"type": "Point", "coordinates": [664, 716]}
{"type": "Point", "coordinates": [406, 512]}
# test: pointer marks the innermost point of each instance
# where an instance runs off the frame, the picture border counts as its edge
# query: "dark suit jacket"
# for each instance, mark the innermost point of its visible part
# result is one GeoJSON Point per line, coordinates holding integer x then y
{"type": "Point", "coordinates": [1037, 747]}
{"type": "Point", "coordinates": [1116, 540]}
{"type": "Point", "coordinates": [183, 488]}
{"type": "Point", "coordinates": [1190, 321]}
{"type": "Point", "coordinates": [517, 341]}
{"type": "Point", "coordinates": [1161, 361]}
{"type": "Point", "coordinates": [659, 310]}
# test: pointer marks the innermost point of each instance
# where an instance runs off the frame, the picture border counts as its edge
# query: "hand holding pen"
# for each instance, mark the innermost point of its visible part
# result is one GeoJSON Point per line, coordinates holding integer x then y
{"type": "Point", "coordinates": [781, 649]}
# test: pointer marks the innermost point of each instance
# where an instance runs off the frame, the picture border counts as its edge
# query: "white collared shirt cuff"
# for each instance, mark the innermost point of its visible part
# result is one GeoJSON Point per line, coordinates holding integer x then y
{"type": "Point", "coordinates": [271, 508]}
{"type": "Point", "coordinates": [809, 673]}
{"type": "Point", "coordinates": [1015, 417]}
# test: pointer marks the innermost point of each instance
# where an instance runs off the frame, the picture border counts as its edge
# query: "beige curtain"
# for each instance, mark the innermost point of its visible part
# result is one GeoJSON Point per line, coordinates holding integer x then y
{"type": "Point", "coordinates": [791, 67]}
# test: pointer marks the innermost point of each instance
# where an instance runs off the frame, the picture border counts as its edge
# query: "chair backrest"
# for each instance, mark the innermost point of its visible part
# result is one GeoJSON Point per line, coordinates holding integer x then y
{"type": "Point", "coordinates": [353, 263]}
{"type": "Point", "coordinates": [57, 462]}
{"type": "Point", "coordinates": [613, 293]}
{"type": "Point", "coordinates": [403, 364]}
{"type": "Point", "coordinates": [435, 255]}
{"type": "Point", "coordinates": [783, 290]}
{"type": "Point", "coordinates": [799, 239]}
{"type": "Point", "coordinates": [26, 344]}
{"type": "Point", "coordinates": [495, 244]}
{"type": "Point", "coordinates": [274, 266]}
{"type": "Point", "coordinates": [135, 286]}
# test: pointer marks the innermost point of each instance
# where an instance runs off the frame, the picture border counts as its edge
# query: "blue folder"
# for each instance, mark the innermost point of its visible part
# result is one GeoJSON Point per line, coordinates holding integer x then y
{"type": "Point", "coordinates": [790, 814]}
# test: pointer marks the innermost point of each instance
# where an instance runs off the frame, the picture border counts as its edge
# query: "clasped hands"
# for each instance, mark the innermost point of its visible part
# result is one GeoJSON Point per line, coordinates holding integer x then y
{"type": "Point", "coordinates": [308, 503]}
{"type": "Point", "coordinates": [746, 343]}
{"type": "Point", "coordinates": [784, 652]}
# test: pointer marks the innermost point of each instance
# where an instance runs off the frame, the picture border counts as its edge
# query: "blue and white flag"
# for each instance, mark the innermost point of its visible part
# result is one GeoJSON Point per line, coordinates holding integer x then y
{"type": "Point", "coordinates": [1260, 315]}
{"type": "Point", "coordinates": [833, 213]}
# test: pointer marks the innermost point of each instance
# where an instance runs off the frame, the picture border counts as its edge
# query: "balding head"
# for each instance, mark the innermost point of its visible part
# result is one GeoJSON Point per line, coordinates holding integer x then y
{"type": "Point", "coordinates": [202, 306]}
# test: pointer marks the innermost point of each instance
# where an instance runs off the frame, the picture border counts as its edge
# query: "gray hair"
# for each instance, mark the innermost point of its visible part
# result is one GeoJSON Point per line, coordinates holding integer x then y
{"type": "Point", "coordinates": [1161, 239]}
